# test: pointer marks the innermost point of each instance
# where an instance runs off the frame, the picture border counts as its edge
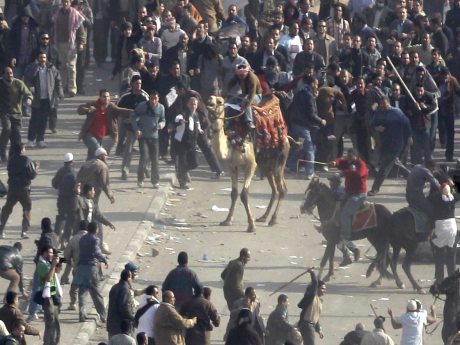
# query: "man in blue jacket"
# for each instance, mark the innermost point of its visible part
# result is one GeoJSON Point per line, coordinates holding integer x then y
{"type": "Point", "coordinates": [396, 134]}
{"type": "Point", "coordinates": [148, 118]}
{"type": "Point", "coordinates": [304, 119]}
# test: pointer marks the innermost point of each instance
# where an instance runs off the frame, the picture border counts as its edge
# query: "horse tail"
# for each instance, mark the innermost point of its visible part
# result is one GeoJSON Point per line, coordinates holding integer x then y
{"type": "Point", "coordinates": [382, 258]}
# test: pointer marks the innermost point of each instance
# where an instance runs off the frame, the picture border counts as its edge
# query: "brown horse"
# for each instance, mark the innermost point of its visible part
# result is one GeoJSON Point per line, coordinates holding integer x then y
{"type": "Point", "coordinates": [319, 195]}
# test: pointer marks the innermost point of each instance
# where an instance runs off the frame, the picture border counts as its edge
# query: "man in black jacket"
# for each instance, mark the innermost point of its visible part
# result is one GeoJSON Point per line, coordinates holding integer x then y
{"type": "Point", "coordinates": [120, 302]}
{"type": "Point", "coordinates": [304, 119]}
{"type": "Point", "coordinates": [11, 267]}
{"type": "Point", "coordinates": [21, 172]}
{"type": "Point", "coordinates": [64, 181]}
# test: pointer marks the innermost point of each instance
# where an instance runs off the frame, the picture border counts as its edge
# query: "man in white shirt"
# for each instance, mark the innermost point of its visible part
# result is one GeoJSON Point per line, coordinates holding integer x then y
{"type": "Point", "coordinates": [292, 42]}
{"type": "Point", "coordinates": [412, 322]}
{"type": "Point", "coordinates": [145, 314]}
{"type": "Point", "coordinates": [378, 335]}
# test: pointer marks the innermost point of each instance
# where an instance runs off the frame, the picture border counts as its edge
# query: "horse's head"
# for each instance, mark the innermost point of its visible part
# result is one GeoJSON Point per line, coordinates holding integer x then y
{"type": "Point", "coordinates": [311, 197]}
{"type": "Point", "coordinates": [447, 285]}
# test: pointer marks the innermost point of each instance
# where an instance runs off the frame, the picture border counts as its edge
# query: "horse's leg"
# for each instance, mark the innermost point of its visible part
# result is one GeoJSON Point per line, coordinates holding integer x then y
{"type": "Point", "coordinates": [249, 173]}
{"type": "Point", "coordinates": [271, 182]}
{"type": "Point", "coordinates": [394, 266]}
{"type": "Point", "coordinates": [330, 251]}
{"type": "Point", "coordinates": [410, 252]}
{"type": "Point", "coordinates": [234, 195]}
{"type": "Point", "coordinates": [282, 189]}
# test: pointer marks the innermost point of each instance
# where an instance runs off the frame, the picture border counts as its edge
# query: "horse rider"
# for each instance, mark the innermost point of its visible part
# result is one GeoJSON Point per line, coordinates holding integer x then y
{"type": "Point", "coordinates": [355, 172]}
{"type": "Point", "coordinates": [251, 91]}
{"type": "Point", "coordinates": [416, 180]}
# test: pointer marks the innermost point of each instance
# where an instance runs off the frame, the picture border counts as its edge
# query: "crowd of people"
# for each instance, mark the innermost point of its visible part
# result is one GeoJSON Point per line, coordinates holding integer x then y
{"type": "Point", "coordinates": [384, 73]}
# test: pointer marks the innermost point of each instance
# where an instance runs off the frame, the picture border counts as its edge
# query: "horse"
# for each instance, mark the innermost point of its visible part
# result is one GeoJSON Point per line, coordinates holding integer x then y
{"type": "Point", "coordinates": [402, 234]}
{"type": "Point", "coordinates": [451, 312]}
{"type": "Point", "coordinates": [319, 195]}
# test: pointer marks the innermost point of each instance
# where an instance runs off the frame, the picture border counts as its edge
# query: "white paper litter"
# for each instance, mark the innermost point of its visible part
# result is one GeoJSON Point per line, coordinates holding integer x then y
{"type": "Point", "coordinates": [293, 263]}
{"type": "Point", "coordinates": [261, 206]}
{"type": "Point", "coordinates": [216, 208]}
{"type": "Point", "coordinates": [384, 299]}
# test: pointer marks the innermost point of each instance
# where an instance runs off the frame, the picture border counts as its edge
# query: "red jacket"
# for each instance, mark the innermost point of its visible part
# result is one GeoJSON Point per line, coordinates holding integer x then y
{"type": "Point", "coordinates": [355, 179]}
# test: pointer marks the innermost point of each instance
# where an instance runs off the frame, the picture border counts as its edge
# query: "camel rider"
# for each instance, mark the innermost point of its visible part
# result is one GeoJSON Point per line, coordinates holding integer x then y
{"type": "Point", "coordinates": [416, 180]}
{"type": "Point", "coordinates": [251, 91]}
{"type": "Point", "coordinates": [355, 172]}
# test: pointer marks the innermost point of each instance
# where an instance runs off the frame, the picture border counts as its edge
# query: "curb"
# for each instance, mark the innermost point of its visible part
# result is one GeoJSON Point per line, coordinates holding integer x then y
{"type": "Point", "coordinates": [87, 329]}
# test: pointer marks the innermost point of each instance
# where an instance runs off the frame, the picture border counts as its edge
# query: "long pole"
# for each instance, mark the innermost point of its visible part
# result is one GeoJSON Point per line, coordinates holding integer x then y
{"type": "Point", "coordinates": [290, 282]}
{"type": "Point", "coordinates": [401, 80]}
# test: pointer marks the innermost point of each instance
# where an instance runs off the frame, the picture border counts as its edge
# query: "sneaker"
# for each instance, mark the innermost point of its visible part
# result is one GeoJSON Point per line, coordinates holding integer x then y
{"type": "Point", "coordinates": [33, 317]}
{"type": "Point", "coordinates": [72, 306]}
{"type": "Point", "coordinates": [218, 175]}
{"type": "Point", "coordinates": [41, 144]}
{"type": "Point", "coordinates": [185, 187]}
{"type": "Point", "coordinates": [30, 144]}
{"type": "Point", "coordinates": [140, 184]}
{"type": "Point", "coordinates": [156, 185]}
{"type": "Point", "coordinates": [124, 176]}
{"type": "Point", "coordinates": [372, 193]}
{"type": "Point", "coordinates": [24, 236]}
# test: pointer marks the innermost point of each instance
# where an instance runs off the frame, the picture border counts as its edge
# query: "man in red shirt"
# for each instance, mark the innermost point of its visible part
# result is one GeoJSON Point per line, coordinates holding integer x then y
{"type": "Point", "coordinates": [355, 172]}
{"type": "Point", "coordinates": [101, 123]}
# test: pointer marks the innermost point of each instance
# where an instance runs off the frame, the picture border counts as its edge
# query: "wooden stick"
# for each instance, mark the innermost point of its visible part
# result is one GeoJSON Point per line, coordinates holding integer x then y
{"type": "Point", "coordinates": [373, 310]}
{"type": "Point", "coordinates": [307, 161]}
{"type": "Point", "coordinates": [290, 282]}
{"type": "Point", "coordinates": [401, 80]}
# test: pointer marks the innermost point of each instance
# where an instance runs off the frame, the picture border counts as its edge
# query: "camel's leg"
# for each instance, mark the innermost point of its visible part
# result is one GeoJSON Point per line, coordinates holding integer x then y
{"type": "Point", "coordinates": [271, 181]}
{"type": "Point", "coordinates": [282, 189]}
{"type": "Point", "coordinates": [249, 173]}
{"type": "Point", "coordinates": [394, 266]}
{"type": "Point", "coordinates": [410, 252]}
{"type": "Point", "coordinates": [234, 195]}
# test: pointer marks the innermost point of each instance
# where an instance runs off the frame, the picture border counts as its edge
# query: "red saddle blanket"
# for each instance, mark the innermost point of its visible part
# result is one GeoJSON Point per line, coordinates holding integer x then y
{"type": "Point", "coordinates": [365, 218]}
{"type": "Point", "coordinates": [271, 131]}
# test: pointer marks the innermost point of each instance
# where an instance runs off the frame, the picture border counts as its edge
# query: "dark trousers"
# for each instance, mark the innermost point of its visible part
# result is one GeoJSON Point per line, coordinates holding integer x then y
{"type": "Point", "coordinates": [182, 165]}
{"type": "Point", "coordinates": [387, 161]}
{"type": "Point", "coordinates": [21, 195]}
{"type": "Point", "coordinates": [65, 219]}
{"type": "Point", "coordinates": [444, 256]}
{"type": "Point", "coordinates": [100, 38]}
{"type": "Point", "coordinates": [123, 129]}
{"type": "Point", "coordinates": [208, 153]}
{"type": "Point", "coordinates": [327, 144]}
{"type": "Point", "coordinates": [421, 203]}
{"type": "Point", "coordinates": [37, 124]}
{"type": "Point", "coordinates": [446, 127]}
{"type": "Point", "coordinates": [52, 119]}
{"type": "Point", "coordinates": [52, 333]}
{"type": "Point", "coordinates": [11, 130]}
{"type": "Point", "coordinates": [163, 140]}
{"type": "Point", "coordinates": [148, 149]}
{"type": "Point", "coordinates": [421, 150]}
{"type": "Point", "coordinates": [307, 330]}
{"type": "Point", "coordinates": [81, 67]}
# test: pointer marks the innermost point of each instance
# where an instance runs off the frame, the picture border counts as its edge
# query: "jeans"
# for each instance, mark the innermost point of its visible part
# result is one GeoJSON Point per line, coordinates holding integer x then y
{"type": "Point", "coordinates": [308, 148]}
{"type": "Point", "coordinates": [65, 219]}
{"type": "Point", "coordinates": [127, 150]}
{"type": "Point", "coordinates": [248, 113]}
{"type": "Point", "coordinates": [353, 204]}
{"type": "Point", "coordinates": [421, 150]}
{"type": "Point", "coordinates": [95, 293]}
{"type": "Point", "coordinates": [52, 333]}
{"type": "Point", "coordinates": [307, 330]}
{"type": "Point", "coordinates": [11, 130]}
{"type": "Point", "coordinates": [37, 124]}
{"type": "Point", "coordinates": [387, 161]}
{"type": "Point", "coordinates": [148, 148]}
{"type": "Point", "coordinates": [93, 144]}
{"type": "Point", "coordinates": [33, 307]}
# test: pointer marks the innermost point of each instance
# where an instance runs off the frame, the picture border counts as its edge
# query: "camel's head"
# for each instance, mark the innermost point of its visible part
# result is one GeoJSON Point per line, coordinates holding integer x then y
{"type": "Point", "coordinates": [216, 109]}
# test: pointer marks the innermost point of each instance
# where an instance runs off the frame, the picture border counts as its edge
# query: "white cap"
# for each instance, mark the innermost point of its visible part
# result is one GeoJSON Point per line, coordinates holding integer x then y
{"type": "Point", "coordinates": [68, 157]}
{"type": "Point", "coordinates": [100, 151]}
{"type": "Point", "coordinates": [411, 305]}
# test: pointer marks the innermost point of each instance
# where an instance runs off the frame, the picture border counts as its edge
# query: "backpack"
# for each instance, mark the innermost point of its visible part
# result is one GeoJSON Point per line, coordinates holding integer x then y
{"type": "Point", "coordinates": [140, 312]}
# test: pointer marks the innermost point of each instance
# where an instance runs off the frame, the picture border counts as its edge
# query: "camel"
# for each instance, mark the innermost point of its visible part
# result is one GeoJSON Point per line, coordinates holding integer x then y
{"type": "Point", "coordinates": [271, 162]}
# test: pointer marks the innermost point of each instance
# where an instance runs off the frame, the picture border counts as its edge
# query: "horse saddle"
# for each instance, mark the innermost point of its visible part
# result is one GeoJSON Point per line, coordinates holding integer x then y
{"type": "Point", "coordinates": [365, 218]}
{"type": "Point", "coordinates": [422, 222]}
